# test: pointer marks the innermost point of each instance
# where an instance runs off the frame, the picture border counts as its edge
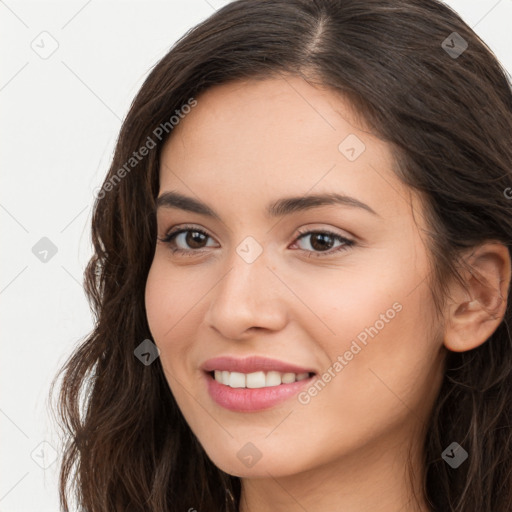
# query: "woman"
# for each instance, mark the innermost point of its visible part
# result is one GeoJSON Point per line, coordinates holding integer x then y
{"type": "Point", "coordinates": [302, 271]}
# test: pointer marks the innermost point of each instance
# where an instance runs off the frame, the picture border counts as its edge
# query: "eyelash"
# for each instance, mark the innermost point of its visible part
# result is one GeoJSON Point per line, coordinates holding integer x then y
{"type": "Point", "coordinates": [169, 240]}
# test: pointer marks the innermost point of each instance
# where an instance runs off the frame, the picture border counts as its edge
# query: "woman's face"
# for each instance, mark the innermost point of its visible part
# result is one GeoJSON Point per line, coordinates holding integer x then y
{"type": "Point", "coordinates": [355, 310]}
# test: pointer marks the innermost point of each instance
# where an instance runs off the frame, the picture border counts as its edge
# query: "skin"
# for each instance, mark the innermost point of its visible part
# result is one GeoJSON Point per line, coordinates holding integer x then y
{"type": "Point", "coordinates": [243, 145]}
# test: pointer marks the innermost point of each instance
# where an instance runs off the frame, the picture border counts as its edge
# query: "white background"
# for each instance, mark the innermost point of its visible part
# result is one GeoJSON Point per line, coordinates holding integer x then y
{"type": "Point", "coordinates": [60, 117]}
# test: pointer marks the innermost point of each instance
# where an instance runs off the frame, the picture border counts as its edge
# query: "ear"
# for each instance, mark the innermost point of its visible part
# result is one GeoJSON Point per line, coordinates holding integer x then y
{"type": "Point", "coordinates": [474, 314]}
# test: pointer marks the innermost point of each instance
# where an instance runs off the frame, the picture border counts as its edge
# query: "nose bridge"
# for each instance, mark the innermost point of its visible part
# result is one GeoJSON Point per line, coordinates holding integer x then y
{"type": "Point", "coordinates": [246, 275]}
{"type": "Point", "coordinates": [241, 299]}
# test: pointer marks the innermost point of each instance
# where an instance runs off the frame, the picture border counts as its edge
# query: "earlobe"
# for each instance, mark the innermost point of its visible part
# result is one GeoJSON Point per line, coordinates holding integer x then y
{"type": "Point", "coordinates": [476, 312]}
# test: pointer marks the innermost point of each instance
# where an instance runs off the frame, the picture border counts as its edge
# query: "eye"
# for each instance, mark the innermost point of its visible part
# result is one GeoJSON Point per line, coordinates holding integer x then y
{"type": "Point", "coordinates": [191, 236]}
{"type": "Point", "coordinates": [320, 241]}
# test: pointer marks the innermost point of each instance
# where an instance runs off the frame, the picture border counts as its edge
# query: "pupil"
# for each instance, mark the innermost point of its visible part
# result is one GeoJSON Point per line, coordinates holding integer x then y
{"type": "Point", "coordinates": [322, 237]}
{"type": "Point", "coordinates": [191, 236]}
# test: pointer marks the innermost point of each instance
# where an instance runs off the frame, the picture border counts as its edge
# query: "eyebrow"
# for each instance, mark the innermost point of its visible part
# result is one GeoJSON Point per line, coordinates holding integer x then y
{"type": "Point", "coordinates": [279, 208]}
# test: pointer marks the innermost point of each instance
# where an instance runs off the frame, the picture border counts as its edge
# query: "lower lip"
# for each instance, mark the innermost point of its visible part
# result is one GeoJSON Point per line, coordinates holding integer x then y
{"type": "Point", "coordinates": [252, 399]}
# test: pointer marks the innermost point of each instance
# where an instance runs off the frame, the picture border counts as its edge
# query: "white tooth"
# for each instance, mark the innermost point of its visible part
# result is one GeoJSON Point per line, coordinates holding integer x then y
{"type": "Point", "coordinates": [258, 379]}
{"type": "Point", "coordinates": [272, 379]}
{"type": "Point", "coordinates": [255, 380]}
{"type": "Point", "coordinates": [237, 380]}
{"type": "Point", "coordinates": [288, 378]}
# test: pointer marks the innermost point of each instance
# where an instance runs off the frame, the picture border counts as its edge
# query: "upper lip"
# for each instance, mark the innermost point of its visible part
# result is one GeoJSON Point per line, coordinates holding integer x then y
{"type": "Point", "coordinates": [252, 364]}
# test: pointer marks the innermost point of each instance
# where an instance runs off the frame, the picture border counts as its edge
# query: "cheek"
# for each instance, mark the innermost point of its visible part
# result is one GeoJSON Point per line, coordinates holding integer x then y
{"type": "Point", "coordinates": [381, 296]}
{"type": "Point", "coordinates": [339, 303]}
{"type": "Point", "coordinates": [175, 306]}
{"type": "Point", "coordinates": [169, 301]}
{"type": "Point", "coordinates": [375, 328]}
{"type": "Point", "coordinates": [157, 298]}
{"type": "Point", "coordinates": [384, 365]}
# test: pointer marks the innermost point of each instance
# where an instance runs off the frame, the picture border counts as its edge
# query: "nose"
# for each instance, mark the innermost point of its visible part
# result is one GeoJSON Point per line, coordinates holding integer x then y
{"type": "Point", "coordinates": [249, 296]}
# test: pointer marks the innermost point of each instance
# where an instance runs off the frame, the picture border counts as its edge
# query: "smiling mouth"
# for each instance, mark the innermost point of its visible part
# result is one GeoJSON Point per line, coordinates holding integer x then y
{"type": "Point", "coordinates": [258, 379]}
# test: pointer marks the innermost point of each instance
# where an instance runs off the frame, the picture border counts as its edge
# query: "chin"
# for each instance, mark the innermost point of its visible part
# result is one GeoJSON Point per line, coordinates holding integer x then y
{"type": "Point", "coordinates": [241, 463]}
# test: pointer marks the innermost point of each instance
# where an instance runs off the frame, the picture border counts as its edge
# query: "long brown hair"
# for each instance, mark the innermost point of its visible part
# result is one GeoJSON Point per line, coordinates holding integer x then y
{"type": "Point", "coordinates": [444, 108]}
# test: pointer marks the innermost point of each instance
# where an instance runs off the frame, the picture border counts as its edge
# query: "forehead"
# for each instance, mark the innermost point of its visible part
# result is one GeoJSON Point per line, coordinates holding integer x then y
{"type": "Point", "coordinates": [248, 141]}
